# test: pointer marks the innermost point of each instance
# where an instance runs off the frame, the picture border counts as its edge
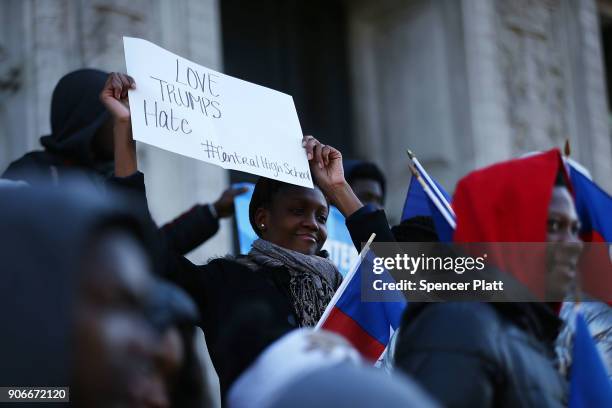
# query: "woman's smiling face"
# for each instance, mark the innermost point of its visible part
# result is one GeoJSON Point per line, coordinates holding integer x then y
{"type": "Point", "coordinates": [295, 220]}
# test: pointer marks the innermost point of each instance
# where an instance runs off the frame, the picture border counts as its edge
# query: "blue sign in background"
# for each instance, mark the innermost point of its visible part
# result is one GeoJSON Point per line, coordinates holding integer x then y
{"type": "Point", "coordinates": [339, 244]}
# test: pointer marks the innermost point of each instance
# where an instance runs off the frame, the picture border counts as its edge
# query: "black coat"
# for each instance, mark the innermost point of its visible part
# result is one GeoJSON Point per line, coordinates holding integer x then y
{"type": "Point", "coordinates": [242, 310]}
{"type": "Point", "coordinates": [471, 354]}
{"type": "Point", "coordinates": [366, 221]}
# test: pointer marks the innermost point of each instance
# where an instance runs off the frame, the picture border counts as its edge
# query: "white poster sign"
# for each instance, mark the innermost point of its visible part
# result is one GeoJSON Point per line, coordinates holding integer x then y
{"type": "Point", "coordinates": [192, 110]}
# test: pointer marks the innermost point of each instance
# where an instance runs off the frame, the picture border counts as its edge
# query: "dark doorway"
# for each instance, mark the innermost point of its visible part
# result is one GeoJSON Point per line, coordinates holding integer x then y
{"type": "Point", "coordinates": [299, 48]}
{"type": "Point", "coordinates": [605, 21]}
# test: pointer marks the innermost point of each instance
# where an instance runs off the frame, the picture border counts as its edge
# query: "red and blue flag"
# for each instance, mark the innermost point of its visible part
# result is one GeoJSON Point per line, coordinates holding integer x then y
{"type": "Point", "coordinates": [367, 325]}
{"type": "Point", "coordinates": [594, 207]}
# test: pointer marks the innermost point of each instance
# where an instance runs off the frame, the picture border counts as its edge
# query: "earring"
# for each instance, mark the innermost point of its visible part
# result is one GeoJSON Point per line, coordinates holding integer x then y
{"type": "Point", "coordinates": [263, 227]}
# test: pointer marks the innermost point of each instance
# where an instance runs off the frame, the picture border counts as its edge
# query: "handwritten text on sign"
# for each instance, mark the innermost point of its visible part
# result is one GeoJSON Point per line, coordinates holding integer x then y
{"type": "Point", "coordinates": [191, 110]}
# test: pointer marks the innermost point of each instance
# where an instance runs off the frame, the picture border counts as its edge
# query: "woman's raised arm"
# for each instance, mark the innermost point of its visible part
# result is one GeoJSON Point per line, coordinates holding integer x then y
{"type": "Point", "coordinates": [115, 97]}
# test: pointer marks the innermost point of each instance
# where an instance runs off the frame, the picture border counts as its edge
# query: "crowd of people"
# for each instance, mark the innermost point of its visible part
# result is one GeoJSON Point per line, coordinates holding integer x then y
{"type": "Point", "coordinates": [95, 296]}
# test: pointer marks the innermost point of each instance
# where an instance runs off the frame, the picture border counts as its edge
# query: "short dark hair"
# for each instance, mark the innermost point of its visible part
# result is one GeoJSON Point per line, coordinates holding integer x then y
{"type": "Point", "coordinates": [263, 195]}
{"type": "Point", "coordinates": [369, 171]}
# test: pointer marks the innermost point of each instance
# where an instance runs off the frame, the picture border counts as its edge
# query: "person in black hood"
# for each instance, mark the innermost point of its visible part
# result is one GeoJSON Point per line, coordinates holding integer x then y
{"type": "Point", "coordinates": [75, 283]}
{"type": "Point", "coordinates": [80, 139]}
{"type": "Point", "coordinates": [81, 143]}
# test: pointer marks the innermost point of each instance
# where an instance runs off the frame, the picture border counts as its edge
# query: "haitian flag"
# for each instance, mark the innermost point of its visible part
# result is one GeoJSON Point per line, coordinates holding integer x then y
{"type": "Point", "coordinates": [590, 385]}
{"type": "Point", "coordinates": [366, 325]}
{"type": "Point", "coordinates": [594, 207]}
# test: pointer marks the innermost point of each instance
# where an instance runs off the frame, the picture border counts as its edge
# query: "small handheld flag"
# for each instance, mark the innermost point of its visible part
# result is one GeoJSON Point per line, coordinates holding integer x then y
{"type": "Point", "coordinates": [366, 325]}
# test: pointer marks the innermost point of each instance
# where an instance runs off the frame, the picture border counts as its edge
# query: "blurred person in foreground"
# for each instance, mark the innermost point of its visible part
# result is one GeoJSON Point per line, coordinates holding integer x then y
{"type": "Point", "coordinates": [74, 291]}
{"type": "Point", "coordinates": [292, 356]}
{"type": "Point", "coordinates": [498, 354]}
{"type": "Point", "coordinates": [81, 144]}
{"type": "Point", "coordinates": [323, 370]}
{"type": "Point", "coordinates": [345, 385]}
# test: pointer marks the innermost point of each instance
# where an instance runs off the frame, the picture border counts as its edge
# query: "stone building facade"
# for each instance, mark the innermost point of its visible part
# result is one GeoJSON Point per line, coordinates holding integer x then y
{"type": "Point", "coordinates": [468, 83]}
{"type": "Point", "coordinates": [462, 83]}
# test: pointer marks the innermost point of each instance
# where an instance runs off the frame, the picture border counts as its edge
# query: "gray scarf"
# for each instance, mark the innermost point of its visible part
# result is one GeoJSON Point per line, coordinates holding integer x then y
{"type": "Point", "coordinates": [313, 280]}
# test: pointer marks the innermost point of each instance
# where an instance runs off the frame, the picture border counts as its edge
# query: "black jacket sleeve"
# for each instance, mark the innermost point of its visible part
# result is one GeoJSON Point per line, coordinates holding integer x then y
{"type": "Point", "coordinates": [365, 221]}
{"type": "Point", "coordinates": [184, 233]}
{"type": "Point", "coordinates": [190, 229]}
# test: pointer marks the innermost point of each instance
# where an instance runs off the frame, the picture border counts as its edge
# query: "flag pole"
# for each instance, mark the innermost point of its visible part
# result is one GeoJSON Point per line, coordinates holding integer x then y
{"type": "Point", "coordinates": [433, 185]}
{"type": "Point", "coordinates": [577, 294]}
{"type": "Point", "coordinates": [345, 281]}
{"type": "Point", "coordinates": [449, 217]}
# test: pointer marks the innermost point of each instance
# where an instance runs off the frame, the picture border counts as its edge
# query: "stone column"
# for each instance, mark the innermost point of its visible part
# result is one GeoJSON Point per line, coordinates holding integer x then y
{"type": "Point", "coordinates": [409, 90]}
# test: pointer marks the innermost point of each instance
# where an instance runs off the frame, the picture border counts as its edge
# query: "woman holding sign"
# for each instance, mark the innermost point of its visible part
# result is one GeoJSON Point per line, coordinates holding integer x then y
{"type": "Point", "coordinates": [283, 282]}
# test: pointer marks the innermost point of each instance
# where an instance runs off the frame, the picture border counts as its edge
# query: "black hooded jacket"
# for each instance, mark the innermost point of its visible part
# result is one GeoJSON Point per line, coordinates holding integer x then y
{"type": "Point", "coordinates": [76, 116]}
